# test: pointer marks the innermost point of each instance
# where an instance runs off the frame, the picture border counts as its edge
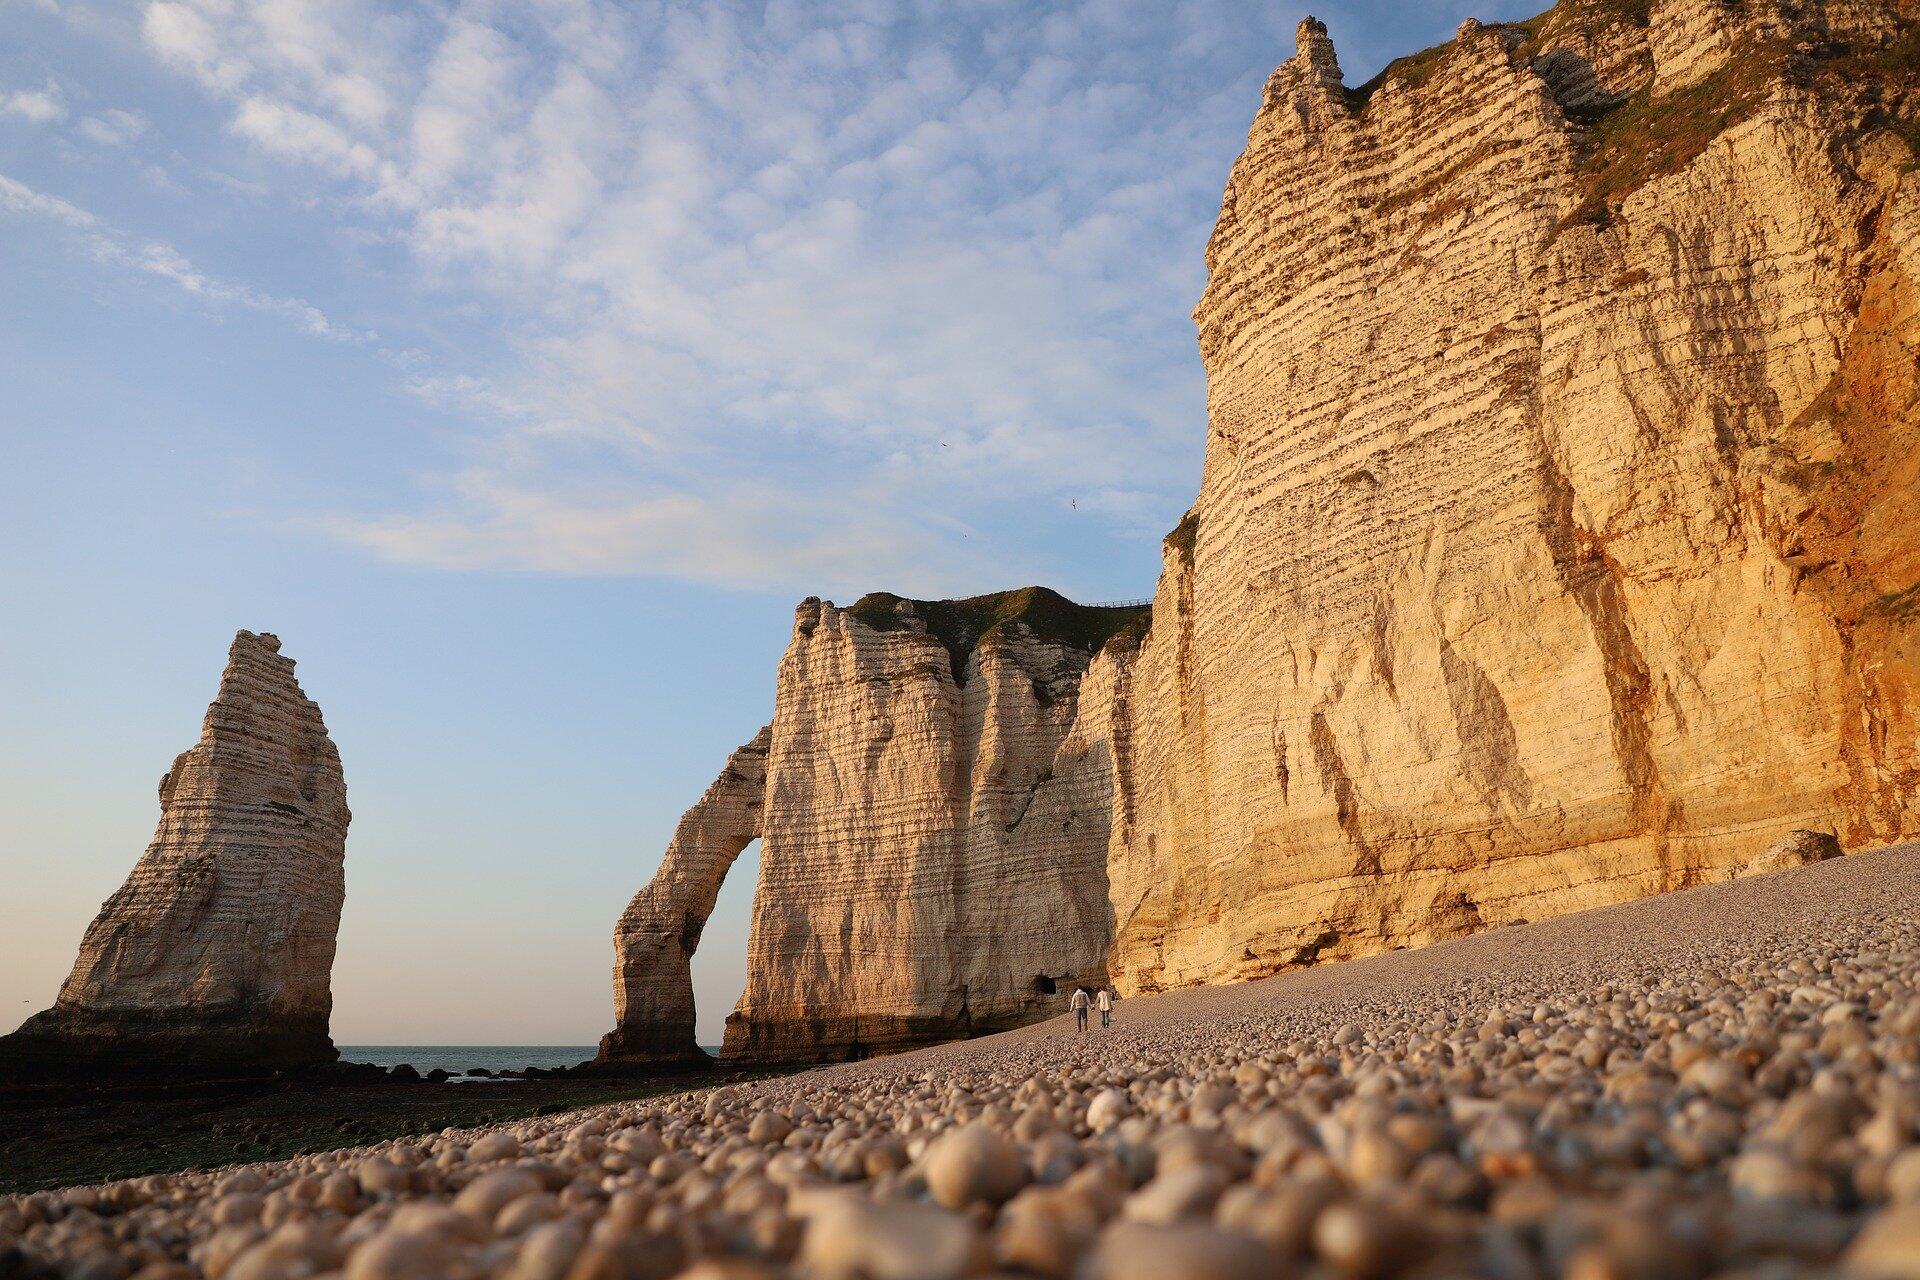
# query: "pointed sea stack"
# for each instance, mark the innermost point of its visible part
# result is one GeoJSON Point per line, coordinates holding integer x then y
{"type": "Point", "coordinates": [216, 955]}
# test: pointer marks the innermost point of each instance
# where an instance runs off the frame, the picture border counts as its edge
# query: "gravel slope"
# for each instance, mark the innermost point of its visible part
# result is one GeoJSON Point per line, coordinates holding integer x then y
{"type": "Point", "coordinates": [1724, 1081]}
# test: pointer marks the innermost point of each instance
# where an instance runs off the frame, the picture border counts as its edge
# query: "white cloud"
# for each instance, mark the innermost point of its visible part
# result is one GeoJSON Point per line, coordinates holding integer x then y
{"type": "Point", "coordinates": [923, 270]}
{"type": "Point", "coordinates": [39, 106]}
{"type": "Point", "coordinates": [299, 135]}
{"type": "Point", "coordinates": [184, 36]}
{"type": "Point", "coordinates": [113, 127]}
{"type": "Point", "coordinates": [162, 261]}
{"type": "Point", "coordinates": [743, 536]}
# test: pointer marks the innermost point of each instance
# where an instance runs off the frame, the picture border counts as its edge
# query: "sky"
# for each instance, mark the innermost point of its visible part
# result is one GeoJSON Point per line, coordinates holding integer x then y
{"type": "Point", "coordinates": [521, 365]}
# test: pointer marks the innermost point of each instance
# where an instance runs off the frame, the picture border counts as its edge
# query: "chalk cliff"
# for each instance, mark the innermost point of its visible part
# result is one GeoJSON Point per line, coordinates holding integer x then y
{"type": "Point", "coordinates": [931, 800]}
{"type": "Point", "coordinates": [1556, 543]}
{"type": "Point", "coordinates": [654, 942]}
{"type": "Point", "coordinates": [216, 955]}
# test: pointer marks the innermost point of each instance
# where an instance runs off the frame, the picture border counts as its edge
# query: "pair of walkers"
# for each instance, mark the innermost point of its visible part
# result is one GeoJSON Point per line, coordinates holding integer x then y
{"type": "Point", "coordinates": [1083, 1001]}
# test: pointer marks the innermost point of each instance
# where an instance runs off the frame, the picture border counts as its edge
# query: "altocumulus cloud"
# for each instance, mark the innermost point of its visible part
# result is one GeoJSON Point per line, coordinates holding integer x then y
{"type": "Point", "coordinates": [794, 293]}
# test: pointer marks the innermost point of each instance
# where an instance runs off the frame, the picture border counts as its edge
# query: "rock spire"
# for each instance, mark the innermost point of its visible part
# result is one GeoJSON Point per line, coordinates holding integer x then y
{"type": "Point", "coordinates": [215, 956]}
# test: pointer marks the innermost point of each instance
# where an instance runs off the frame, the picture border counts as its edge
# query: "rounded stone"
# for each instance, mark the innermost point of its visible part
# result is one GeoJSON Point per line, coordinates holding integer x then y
{"type": "Point", "coordinates": [970, 1164]}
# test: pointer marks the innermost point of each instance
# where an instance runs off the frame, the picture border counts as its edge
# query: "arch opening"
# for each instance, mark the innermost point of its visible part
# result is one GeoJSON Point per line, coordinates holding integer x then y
{"type": "Point", "coordinates": [720, 963]}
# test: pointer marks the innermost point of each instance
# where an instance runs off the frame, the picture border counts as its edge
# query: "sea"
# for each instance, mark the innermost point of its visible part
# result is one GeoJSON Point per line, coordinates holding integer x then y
{"type": "Point", "coordinates": [458, 1058]}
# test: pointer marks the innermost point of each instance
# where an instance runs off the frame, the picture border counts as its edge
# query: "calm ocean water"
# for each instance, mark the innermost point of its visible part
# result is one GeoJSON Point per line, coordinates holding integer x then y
{"type": "Point", "coordinates": [460, 1057]}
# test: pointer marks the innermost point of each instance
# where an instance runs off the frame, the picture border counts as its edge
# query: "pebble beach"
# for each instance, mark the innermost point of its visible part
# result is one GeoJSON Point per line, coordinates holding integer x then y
{"type": "Point", "coordinates": [1723, 1081]}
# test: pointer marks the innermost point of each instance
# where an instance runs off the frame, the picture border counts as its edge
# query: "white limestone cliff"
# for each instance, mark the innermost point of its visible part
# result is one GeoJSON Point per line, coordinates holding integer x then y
{"type": "Point", "coordinates": [1555, 546]}
{"type": "Point", "coordinates": [1559, 493]}
{"type": "Point", "coordinates": [931, 800]}
{"type": "Point", "coordinates": [216, 955]}
{"type": "Point", "coordinates": [654, 942]}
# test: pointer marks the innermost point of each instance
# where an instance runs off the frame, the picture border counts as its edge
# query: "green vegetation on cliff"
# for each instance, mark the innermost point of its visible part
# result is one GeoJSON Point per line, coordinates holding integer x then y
{"type": "Point", "coordinates": [1649, 134]}
{"type": "Point", "coordinates": [1566, 21]}
{"type": "Point", "coordinates": [961, 625]}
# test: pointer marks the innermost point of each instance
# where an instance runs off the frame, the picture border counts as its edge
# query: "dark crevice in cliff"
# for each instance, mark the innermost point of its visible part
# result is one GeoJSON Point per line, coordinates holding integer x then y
{"type": "Point", "coordinates": [1335, 778]}
{"type": "Point", "coordinates": [1489, 744]}
{"type": "Point", "coordinates": [1593, 581]}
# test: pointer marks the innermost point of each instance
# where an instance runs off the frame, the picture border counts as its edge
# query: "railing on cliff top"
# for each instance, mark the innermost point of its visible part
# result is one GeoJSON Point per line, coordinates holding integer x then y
{"type": "Point", "coordinates": [1120, 604]}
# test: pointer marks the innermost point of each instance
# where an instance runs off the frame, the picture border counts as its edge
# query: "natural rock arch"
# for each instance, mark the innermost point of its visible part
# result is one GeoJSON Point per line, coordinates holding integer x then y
{"type": "Point", "coordinates": [660, 929]}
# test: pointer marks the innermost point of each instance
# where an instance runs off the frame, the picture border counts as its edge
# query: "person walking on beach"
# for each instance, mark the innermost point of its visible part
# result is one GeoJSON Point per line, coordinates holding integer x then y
{"type": "Point", "coordinates": [1104, 1002]}
{"type": "Point", "coordinates": [1080, 1003]}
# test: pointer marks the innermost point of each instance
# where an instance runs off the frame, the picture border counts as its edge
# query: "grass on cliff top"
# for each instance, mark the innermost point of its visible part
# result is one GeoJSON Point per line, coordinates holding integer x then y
{"type": "Point", "coordinates": [1569, 17]}
{"type": "Point", "coordinates": [1642, 137]}
{"type": "Point", "coordinates": [960, 625]}
{"type": "Point", "coordinates": [1586, 18]}
{"type": "Point", "coordinates": [1648, 136]}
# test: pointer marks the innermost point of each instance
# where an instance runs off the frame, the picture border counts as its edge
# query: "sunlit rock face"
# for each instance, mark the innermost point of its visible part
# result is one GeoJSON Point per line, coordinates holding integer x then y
{"type": "Point", "coordinates": [932, 803]}
{"type": "Point", "coordinates": [1556, 546]}
{"type": "Point", "coordinates": [216, 955]}
{"type": "Point", "coordinates": [1556, 543]}
{"type": "Point", "coordinates": [654, 942]}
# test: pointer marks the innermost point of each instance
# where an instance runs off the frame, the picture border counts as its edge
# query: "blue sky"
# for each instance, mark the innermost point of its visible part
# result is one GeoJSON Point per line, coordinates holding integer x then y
{"type": "Point", "coordinates": [521, 365]}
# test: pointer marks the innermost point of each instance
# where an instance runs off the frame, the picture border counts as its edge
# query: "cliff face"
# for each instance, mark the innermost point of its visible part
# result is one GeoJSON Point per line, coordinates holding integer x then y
{"type": "Point", "coordinates": [217, 952]}
{"type": "Point", "coordinates": [934, 862]}
{"type": "Point", "coordinates": [931, 800]}
{"type": "Point", "coordinates": [1556, 546]}
{"type": "Point", "coordinates": [1556, 539]}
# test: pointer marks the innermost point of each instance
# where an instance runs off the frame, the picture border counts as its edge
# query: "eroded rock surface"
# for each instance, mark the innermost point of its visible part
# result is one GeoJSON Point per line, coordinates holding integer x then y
{"type": "Point", "coordinates": [654, 942]}
{"type": "Point", "coordinates": [216, 955]}
{"type": "Point", "coordinates": [934, 862]}
{"type": "Point", "coordinates": [1794, 849]}
{"type": "Point", "coordinates": [932, 801]}
{"type": "Point", "coordinates": [1555, 545]}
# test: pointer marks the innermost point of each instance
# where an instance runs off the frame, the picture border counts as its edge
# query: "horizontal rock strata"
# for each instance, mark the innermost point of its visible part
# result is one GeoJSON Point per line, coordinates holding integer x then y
{"type": "Point", "coordinates": [216, 955]}
{"type": "Point", "coordinates": [654, 942]}
{"type": "Point", "coordinates": [1555, 544]}
{"type": "Point", "coordinates": [932, 802]}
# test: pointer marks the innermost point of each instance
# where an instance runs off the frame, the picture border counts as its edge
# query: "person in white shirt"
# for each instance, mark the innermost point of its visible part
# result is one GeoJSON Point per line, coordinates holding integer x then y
{"type": "Point", "coordinates": [1080, 1003]}
{"type": "Point", "coordinates": [1104, 1003]}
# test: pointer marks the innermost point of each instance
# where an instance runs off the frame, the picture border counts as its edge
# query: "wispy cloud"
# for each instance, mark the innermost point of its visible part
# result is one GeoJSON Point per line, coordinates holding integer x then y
{"type": "Point", "coordinates": [113, 127]}
{"type": "Point", "coordinates": [742, 534]}
{"type": "Point", "coordinates": [928, 272]}
{"type": "Point", "coordinates": [107, 243]}
{"type": "Point", "coordinates": [45, 105]}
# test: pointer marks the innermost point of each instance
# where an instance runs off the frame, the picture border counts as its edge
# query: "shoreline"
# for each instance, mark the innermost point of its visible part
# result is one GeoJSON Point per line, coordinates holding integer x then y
{"type": "Point", "coordinates": [61, 1136]}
